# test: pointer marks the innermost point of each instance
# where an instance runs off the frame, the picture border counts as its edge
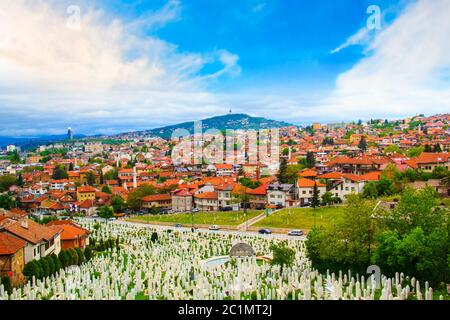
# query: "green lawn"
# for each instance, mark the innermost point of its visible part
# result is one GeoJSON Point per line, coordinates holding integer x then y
{"type": "Point", "coordinates": [301, 218]}
{"type": "Point", "coordinates": [231, 218]}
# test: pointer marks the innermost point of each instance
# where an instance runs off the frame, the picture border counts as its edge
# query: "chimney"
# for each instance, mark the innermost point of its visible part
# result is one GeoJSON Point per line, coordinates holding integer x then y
{"type": "Point", "coordinates": [24, 224]}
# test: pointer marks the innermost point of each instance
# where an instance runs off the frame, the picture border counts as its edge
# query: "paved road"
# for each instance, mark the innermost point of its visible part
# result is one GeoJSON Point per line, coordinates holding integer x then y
{"type": "Point", "coordinates": [241, 232]}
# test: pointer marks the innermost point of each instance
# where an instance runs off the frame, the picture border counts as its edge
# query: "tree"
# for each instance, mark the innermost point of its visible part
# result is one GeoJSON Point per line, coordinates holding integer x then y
{"type": "Point", "coordinates": [135, 197]}
{"type": "Point", "coordinates": [310, 160]}
{"type": "Point", "coordinates": [14, 157]}
{"type": "Point", "coordinates": [118, 204]}
{"type": "Point", "coordinates": [90, 178]}
{"type": "Point", "coordinates": [283, 256]}
{"type": "Point", "coordinates": [56, 262]}
{"type": "Point", "coordinates": [111, 175]}
{"type": "Point", "coordinates": [7, 284]}
{"type": "Point", "coordinates": [315, 202]}
{"type": "Point", "coordinates": [362, 145]}
{"type": "Point", "coordinates": [348, 243]}
{"type": "Point", "coordinates": [154, 237]}
{"type": "Point", "coordinates": [428, 148]}
{"type": "Point", "coordinates": [19, 180]}
{"type": "Point", "coordinates": [59, 173]}
{"type": "Point", "coordinates": [370, 190]}
{"type": "Point", "coordinates": [282, 177]}
{"type": "Point", "coordinates": [327, 198]}
{"type": "Point", "coordinates": [105, 212]}
{"type": "Point", "coordinates": [393, 148]}
{"type": "Point", "coordinates": [437, 148]}
{"type": "Point", "coordinates": [106, 189]}
{"type": "Point", "coordinates": [6, 202]}
{"type": "Point", "coordinates": [415, 152]}
{"type": "Point", "coordinates": [6, 181]}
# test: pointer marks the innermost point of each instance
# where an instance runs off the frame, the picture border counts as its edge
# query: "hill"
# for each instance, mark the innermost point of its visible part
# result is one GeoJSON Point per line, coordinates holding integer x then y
{"type": "Point", "coordinates": [230, 121]}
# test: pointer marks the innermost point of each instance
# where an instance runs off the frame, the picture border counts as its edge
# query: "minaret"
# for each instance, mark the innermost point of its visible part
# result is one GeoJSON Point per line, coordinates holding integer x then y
{"type": "Point", "coordinates": [134, 178]}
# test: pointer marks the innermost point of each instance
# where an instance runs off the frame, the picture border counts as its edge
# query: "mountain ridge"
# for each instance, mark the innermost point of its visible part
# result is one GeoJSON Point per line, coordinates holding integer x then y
{"type": "Point", "coordinates": [236, 121]}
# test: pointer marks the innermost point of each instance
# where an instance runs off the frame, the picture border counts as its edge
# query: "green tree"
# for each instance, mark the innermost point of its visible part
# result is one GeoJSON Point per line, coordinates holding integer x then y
{"type": "Point", "coordinates": [362, 145]}
{"type": "Point", "coordinates": [6, 202]}
{"type": "Point", "coordinates": [6, 181]}
{"type": "Point", "coordinates": [7, 284]}
{"type": "Point", "coordinates": [59, 173]}
{"type": "Point", "coordinates": [90, 178]}
{"type": "Point", "coordinates": [327, 198]}
{"type": "Point", "coordinates": [282, 176]}
{"type": "Point", "coordinates": [310, 160]}
{"type": "Point", "coordinates": [105, 212]}
{"type": "Point", "coordinates": [135, 198]}
{"type": "Point", "coordinates": [56, 262]}
{"type": "Point", "coordinates": [415, 152]}
{"type": "Point", "coordinates": [283, 256]}
{"type": "Point", "coordinates": [111, 175]}
{"type": "Point", "coordinates": [437, 148]}
{"type": "Point", "coordinates": [106, 189]}
{"type": "Point", "coordinates": [315, 202]}
{"type": "Point", "coordinates": [118, 204]}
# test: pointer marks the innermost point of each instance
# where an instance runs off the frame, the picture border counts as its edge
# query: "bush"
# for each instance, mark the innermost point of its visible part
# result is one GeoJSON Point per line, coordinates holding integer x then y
{"type": "Point", "coordinates": [7, 284]}
{"type": "Point", "coordinates": [80, 256]}
{"type": "Point", "coordinates": [56, 262]}
{"type": "Point", "coordinates": [154, 237]}
{"type": "Point", "coordinates": [45, 267]}
{"type": "Point", "coordinates": [88, 253]}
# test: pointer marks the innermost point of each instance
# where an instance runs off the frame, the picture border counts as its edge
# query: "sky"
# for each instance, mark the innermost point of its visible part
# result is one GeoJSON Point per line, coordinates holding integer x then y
{"type": "Point", "coordinates": [110, 66]}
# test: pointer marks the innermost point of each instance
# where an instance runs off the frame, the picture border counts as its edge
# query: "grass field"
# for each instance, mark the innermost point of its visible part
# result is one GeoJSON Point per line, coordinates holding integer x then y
{"type": "Point", "coordinates": [230, 218]}
{"type": "Point", "coordinates": [301, 218]}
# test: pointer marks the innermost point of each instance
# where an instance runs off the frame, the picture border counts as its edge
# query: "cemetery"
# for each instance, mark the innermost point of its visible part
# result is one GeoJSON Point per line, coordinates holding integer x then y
{"type": "Point", "coordinates": [166, 264]}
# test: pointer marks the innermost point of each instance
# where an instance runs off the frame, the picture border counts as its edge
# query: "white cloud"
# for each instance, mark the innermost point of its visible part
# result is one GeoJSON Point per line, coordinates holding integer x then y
{"type": "Point", "coordinates": [361, 37]}
{"type": "Point", "coordinates": [106, 73]}
{"type": "Point", "coordinates": [406, 70]}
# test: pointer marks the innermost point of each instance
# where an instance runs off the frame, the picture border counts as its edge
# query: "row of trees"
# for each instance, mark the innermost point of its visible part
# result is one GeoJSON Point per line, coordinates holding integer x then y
{"type": "Point", "coordinates": [50, 265]}
{"type": "Point", "coordinates": [412, 238]}
{"type": "Point", "coordinates": [393, 181]}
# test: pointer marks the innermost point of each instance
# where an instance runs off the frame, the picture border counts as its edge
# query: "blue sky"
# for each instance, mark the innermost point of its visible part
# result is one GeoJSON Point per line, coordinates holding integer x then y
{"type": "Point", "coordinates": [137, 64]}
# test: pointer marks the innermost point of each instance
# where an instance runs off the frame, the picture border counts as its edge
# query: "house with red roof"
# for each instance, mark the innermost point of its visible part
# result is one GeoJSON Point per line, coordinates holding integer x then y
{"type": "Point", "coordinates": [162, 201]}
{"type": "Point", "coordinates": [12, 258]}
{"type": "Point", "coordinates": [41, 241]}
{"type": "Point", "coordinates": [182, 200]}
{"type": "Point", "coordinates": [72, 235]}
{"type": "Point", "coordinates": [207, 201]}
{"type": "Point", "coordinates": [305, 190]}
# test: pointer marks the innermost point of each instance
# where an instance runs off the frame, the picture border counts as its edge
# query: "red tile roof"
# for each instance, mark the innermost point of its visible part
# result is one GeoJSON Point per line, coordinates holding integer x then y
{"type": "Point", "coordinates": [308, 183]}
{"type": "Point", "coordinates": [157, 197]}
{"type": "Point", "coordinates": [10, 245]}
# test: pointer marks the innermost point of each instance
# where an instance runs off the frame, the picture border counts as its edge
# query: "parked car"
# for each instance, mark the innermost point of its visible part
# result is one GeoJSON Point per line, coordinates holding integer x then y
{"type": "Point", "coordinates": [279, 206]}
{"type": "Point", "coordinates": [265, 231]}
{"type": "Point", "coordinates": [178, 225]}
{"type": "Point", "coordinates": [214, 227]}
{"type": "Point", "coordinates": [224, 209]}
{"type": "Point", "coordinates": [112, 219]}
{"type": "Point", "coordinates": [140, 213]}
{"type": "Point", "coordinates": [296, 233]}
{"type": "Point", "coordinates": [164, 211]}
{"type": "Point", "coordinates": [196, 210]}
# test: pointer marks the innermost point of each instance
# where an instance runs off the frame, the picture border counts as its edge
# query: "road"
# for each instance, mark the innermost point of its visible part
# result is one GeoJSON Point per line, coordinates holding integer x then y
{"type": "Point", "coordinates": [240, 232]}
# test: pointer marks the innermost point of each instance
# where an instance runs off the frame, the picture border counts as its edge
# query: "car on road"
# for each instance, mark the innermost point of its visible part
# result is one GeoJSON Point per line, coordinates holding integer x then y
{"type": "Point", "coordinates": [296, 233]}
{"type": "Point", "coordinates": [112, 219]}
{"type": "Point", "coordinates": [140, 213]}
{"type": "Point", "coordinates": [265, 231]}
{"type": "Point", "coordinates": [214, 227]}
{"type": "Point", "coordinates": [178, 225]}
{"type": "Point", "coordinates": [225, 209]}
{"type": "Point", "coordinates": [279, 206]}
{"type": "Point", "coordinates": [196, 210]}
